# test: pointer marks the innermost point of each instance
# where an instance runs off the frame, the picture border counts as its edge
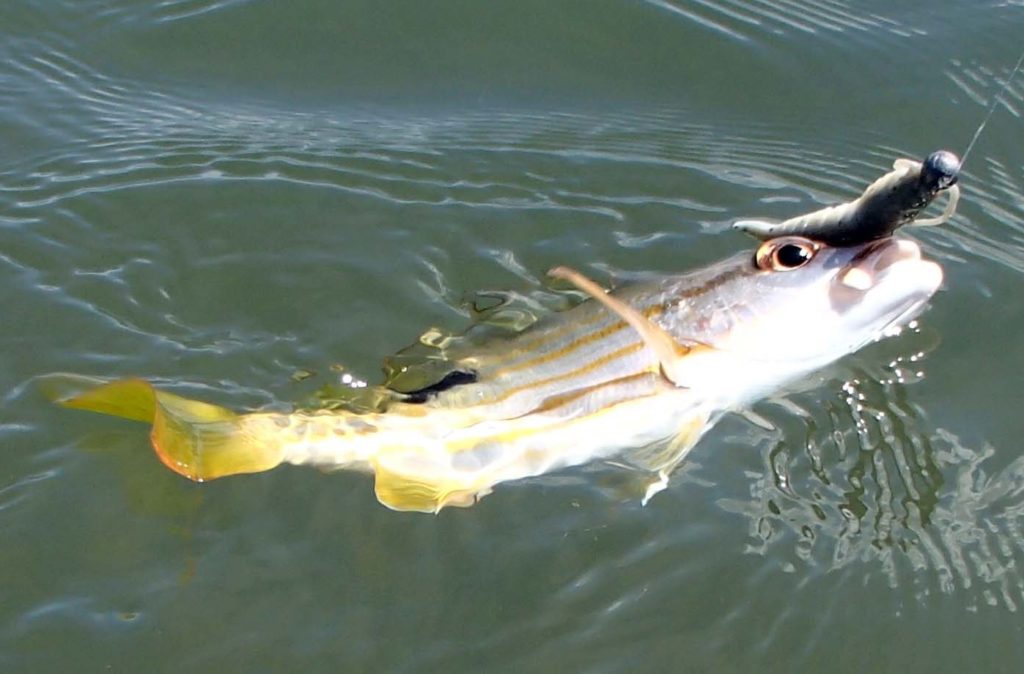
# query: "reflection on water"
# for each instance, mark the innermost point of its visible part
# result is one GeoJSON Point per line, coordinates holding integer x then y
{"type": "Point", "coordinates": [864, 479]}
{"type": "Point", "coordinates": [737, 20]}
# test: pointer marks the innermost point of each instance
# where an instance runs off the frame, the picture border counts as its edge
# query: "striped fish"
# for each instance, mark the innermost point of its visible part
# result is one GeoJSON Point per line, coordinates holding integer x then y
{"type": "Point", "coordinates": [637, 375]}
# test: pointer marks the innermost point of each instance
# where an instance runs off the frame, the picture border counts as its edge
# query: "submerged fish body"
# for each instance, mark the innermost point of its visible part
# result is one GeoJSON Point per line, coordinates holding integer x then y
{"type": "Point", "coordinates": [585, 384]}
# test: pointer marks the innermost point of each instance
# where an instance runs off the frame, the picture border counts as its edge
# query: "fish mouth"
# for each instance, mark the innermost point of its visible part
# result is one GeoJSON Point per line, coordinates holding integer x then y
{"type": "Point", "coordinates": [889, 282]}
{"type": "Point", "coordinates": [862, 272]}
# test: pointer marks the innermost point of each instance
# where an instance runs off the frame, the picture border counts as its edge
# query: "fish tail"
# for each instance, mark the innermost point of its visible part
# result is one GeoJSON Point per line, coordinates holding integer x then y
{"type": "Point", "coordinates": [195, 439]}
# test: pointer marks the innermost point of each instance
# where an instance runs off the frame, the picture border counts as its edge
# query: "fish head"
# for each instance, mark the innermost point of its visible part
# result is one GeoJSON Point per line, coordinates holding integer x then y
{"type": "Point", "coordinates": [798, 304]}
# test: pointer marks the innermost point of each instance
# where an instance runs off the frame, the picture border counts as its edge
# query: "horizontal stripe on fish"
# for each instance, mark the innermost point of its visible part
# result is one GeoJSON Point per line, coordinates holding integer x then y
{"type": "Point", "coordinates": [618, 355]}
{"type": "Point", "coordinates": [566, 380]}
{"type": "Point", "coordinates": [552, 339]}
{"type": "Point", "coordinates": [642, 410]}
{"type": "Point", "coordinates": [609, 350]}
{"type": "Point", "coordinates": [573, 347]}
{"type": "Point", "coordinates": [575, 407]}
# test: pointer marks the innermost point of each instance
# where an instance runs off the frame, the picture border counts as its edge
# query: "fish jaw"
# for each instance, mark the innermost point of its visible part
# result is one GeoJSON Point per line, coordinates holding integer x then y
{"type": "Point", "coordinates": [896, 280]}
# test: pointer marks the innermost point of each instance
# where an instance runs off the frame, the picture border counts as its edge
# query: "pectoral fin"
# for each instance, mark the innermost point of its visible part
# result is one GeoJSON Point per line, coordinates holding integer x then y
{"type": "Point", "coordinates": [666, 461]}
{"type": "Point", "coordinates": [668, 351]}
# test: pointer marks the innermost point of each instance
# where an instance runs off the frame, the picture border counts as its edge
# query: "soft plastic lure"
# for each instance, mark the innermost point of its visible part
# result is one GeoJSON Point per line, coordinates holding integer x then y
{"type": "Point", "coordinates": [887, 204]}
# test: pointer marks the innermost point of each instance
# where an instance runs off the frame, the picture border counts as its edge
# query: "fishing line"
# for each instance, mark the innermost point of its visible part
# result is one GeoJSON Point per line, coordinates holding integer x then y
{"type": "Point", "coordinates": [991, 109]}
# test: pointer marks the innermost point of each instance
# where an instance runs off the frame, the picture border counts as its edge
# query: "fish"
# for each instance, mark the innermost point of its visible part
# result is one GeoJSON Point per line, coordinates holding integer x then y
{"type": "Point", "coordinates": [636, 376]}
{"type": "Point", "coordinates": [892, 201]}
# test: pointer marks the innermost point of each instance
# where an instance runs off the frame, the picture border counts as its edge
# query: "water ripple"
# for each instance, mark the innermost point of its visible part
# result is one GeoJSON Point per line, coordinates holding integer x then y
{"type": "Point", "coordinates": [871, 484]}
{"type": "Point", "coordinates": [206, 229]}
{"type": "Point", "coordinates": [860, 482]}
{"type": "Point", "coordinates": [738, 20]}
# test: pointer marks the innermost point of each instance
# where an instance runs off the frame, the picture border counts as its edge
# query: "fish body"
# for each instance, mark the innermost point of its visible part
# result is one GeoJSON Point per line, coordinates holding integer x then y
{"type": "Point", "coordinates": [583, 385]}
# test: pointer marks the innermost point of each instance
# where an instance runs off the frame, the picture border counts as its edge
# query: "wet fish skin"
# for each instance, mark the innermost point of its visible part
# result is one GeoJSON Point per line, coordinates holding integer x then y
{"type": "Point", "coordinates": [579, 387]}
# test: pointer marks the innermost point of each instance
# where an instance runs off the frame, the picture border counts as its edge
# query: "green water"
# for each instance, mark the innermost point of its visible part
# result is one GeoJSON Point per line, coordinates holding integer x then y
{"type": "Point", "coordinates": [217, 195]}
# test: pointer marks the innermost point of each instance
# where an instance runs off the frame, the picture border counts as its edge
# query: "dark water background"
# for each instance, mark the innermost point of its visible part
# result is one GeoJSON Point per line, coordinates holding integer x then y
{"type": "Point", "coordinates": [217, 195]}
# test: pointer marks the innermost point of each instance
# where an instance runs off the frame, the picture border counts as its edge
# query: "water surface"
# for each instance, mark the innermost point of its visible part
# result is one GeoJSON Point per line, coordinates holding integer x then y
{"type": "Point", "coordinates": [220, 195]}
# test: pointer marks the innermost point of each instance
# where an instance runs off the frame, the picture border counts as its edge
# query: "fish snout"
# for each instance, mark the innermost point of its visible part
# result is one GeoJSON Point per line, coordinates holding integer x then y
{"type": "Point", "coordinates": [900, 257]}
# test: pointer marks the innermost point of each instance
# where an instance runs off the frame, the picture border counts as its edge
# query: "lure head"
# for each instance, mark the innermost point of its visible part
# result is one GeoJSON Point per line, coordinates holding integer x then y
{"type": "Point", "coordinates": [797, 305]}
{"type": "Point", "coordinates": [940, 171]}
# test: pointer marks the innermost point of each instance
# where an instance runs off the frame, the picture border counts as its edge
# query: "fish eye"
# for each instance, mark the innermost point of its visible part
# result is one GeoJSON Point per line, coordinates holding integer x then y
{"type": "Point", "coordinates": [785, 254]}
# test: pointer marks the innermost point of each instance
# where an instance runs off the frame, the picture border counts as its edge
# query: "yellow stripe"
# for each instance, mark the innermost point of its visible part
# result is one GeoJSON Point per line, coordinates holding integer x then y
{"type": "Point", "coordinates": [555, 334]}
{"type": "Point", "coordinates": [556, 401]}
{"type": "Point", "coordinates": [649, 312]}
{"type": "Point", "coordinates": [593, 365]}
{"type": "Point", "coordinates": [513, 435]}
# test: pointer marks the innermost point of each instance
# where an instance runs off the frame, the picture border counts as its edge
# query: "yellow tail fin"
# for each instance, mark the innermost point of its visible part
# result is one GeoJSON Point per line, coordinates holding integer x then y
{"type": "Point", "coordinates": [195, 439]}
